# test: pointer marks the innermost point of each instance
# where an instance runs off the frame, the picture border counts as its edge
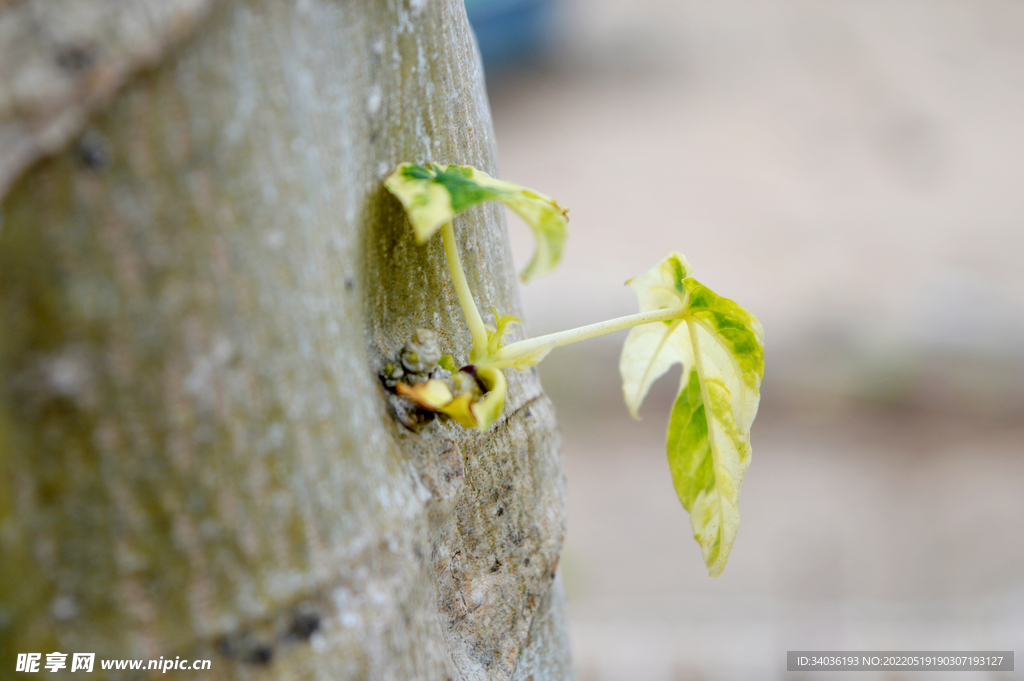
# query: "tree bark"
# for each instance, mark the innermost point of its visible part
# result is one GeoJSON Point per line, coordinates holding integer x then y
{"type": "Point", "coordinates": [198, 289]}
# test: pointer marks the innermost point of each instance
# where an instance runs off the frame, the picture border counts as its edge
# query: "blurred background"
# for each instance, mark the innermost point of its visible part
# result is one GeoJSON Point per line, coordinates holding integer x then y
{"type": "Point", "coordinates": [851, 171]}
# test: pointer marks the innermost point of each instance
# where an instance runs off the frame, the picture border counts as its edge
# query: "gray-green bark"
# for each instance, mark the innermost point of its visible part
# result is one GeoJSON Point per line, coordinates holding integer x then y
{"type": "Point", "coordinates": [198, 289]}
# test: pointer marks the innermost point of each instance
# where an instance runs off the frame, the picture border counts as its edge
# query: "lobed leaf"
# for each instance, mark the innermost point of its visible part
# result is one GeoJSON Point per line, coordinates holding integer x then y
{"type": "Point", "coordinates": [721, 348]}
{"type": "Point", "coordinates": [433, 194]}
{"type": "Point", "coordinates": [651, 349]}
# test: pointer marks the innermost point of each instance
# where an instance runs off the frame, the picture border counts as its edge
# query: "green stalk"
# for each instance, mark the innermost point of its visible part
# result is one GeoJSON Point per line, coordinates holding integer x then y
{"type": "Point", "coordinates": [532, 350]}
{"type": "Point", "coordinates": [469, 309]}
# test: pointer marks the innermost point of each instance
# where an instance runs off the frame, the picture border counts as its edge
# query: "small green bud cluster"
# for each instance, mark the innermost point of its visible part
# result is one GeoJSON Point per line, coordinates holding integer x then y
{"type": "Point", "coordinates": [417, 361]}
{"type": "Point", "coordinates": [420, 355]}
{"type": "Point", "coordinates": [420, 360]}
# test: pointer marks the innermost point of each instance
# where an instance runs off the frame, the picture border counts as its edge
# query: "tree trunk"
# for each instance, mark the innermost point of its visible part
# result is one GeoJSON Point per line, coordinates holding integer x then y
{"type": "Point", "coordinates": [199, 285]}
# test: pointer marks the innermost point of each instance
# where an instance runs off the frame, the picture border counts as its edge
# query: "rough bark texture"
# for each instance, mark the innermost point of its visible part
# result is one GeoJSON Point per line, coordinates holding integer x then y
{"type": "Point", "coordinates": [198, 458]}
{"type": "Point", "coordinates": [62, 59]}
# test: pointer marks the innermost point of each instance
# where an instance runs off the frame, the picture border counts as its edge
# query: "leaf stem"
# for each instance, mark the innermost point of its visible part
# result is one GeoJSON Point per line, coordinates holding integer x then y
{"type": "Point", "coordinates": [473, 319]}
{"type": "Point", "coordinates": [531, 350]}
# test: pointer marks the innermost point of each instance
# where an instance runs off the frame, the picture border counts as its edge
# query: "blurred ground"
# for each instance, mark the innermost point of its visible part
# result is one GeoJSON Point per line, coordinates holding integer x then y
{"type": "Point", "coordinates": [851, 171]}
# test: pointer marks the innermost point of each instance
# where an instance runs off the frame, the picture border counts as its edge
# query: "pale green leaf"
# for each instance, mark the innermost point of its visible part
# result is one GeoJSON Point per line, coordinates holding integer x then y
{"type": "Point", "coordinates": [651, 349]}
{"type": "Point", "coordinates": [433, 194]}
{"type": "Point", "coordinates": [722, 351]}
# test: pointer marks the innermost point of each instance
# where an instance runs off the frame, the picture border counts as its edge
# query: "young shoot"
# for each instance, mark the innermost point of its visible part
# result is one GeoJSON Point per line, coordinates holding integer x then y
{"type": "Point", "coordinates": [719, 344]}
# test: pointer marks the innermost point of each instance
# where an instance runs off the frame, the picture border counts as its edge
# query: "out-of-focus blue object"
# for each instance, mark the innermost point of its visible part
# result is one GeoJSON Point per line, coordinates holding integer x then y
{"type": "Point", "coordinates": [511, 31]}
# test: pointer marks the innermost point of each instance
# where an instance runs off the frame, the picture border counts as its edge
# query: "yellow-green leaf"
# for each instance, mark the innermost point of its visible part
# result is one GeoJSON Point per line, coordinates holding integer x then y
{"type": "Point", "coordinates": [471, 411]}
{"type": "Point", "coordinates": [433, 194]}
{"type": "Point", "coordinates": [487, 409]}
{"type": "Point", "coordinates": [721, 348]}
{"type": "Point", "coordinates": [432, 394]}
{"type": "Point", "coordinates": [496, 334]}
